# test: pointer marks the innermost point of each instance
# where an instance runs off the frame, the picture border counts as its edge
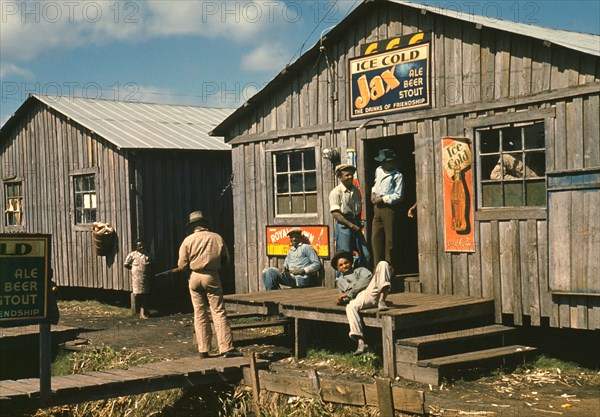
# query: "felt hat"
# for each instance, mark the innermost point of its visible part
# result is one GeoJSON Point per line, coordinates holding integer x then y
{"type": "Point", "coordinates": [295, 230]}
{"type": "Point", "coordinates": [344, 167]}
{"type": "Point", "coordinates": [341, 254]}
{"type": "Point", "coordinates": [385, 155]}
{"type": "Point", "coordinates": [197, 217]}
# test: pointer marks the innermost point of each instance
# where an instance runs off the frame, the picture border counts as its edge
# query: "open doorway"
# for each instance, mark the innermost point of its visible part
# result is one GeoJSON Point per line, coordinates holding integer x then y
{"type": "Point", "coordinates": [404, 148]}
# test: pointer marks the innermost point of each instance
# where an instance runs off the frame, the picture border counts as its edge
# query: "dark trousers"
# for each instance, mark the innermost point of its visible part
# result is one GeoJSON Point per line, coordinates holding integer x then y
{"type": "Point", "coordinates": [383, 234]}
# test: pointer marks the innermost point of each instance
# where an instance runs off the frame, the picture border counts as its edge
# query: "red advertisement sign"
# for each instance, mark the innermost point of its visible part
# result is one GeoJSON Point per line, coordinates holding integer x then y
{"type": "Point", "coordinates": [457, 175]}
{"type": "Point", "coordinates": [278, 242]}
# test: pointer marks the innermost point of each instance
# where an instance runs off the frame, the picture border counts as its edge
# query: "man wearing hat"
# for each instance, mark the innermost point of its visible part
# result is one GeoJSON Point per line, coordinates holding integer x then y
{"type": "Point", "coordinates": [345, 205]}
{"type": "Point", "coordinates": [386, 195]}
{"type": "Point", "coordinates": [360, 289]}
{"type": "Point", "coordinates": [300, 268]}
{"type": "Point", "coordinates": [205, 254]}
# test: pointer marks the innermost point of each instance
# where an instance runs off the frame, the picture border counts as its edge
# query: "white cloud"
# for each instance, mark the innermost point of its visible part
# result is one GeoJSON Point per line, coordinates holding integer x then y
{"type": "Point", "coordinates": [266, 57]}
{"type": "Point", "coordinates": [70, 24]}
{"type": "Point", "coordinates": [8, 69]}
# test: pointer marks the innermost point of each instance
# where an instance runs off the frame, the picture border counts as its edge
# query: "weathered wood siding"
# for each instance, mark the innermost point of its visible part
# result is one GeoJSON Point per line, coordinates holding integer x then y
{"type": "Point", "coordinates": [476, 74]}
{"type": "Point", "coordinates": [165, 188]}
{"type": "Point", "coordinates": [44, 150]}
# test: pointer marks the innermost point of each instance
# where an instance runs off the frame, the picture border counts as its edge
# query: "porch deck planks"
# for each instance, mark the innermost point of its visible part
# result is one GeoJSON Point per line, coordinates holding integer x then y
{"type": "Point", "coordinates": [97, 385]}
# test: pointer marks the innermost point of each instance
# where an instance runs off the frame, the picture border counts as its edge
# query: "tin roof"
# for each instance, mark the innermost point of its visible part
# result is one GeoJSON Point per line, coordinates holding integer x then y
{"type": "Point", "coordinates": [583, 42]}
{"type": "Point", "coordinates": [134, 125]}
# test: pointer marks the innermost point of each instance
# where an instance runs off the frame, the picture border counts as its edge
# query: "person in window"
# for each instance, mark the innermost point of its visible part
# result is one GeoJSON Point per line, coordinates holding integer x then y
{"type": "Point", "coordinates": [345, 205]}
{"type": "Point", "coordinates": [360, 289]}
{"type": "Point", "coordinates": [139, 262]}
{"type": "Point", "coordinates": [386, 195]}
{"type": "Point", "coordinates": [509, 167]}
{"type": "Point", "coordinates": [205, 254]}
{"type": "Point", "coordinates": [300, 268]}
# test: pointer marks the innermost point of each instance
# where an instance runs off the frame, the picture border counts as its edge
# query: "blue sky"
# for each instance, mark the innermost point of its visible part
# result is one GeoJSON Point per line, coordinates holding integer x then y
{"type": "Point", "coordinates": [192, 52]}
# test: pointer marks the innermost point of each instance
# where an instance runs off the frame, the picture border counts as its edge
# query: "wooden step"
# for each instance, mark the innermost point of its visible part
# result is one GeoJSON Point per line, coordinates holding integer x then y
{"type": "Point", "coordinates": [464, 334]}
{"type": "Point", "coordinates": [260, 324]}
{"type": "Point", "coordinates": [413, 349]}
{"type": "Point", "coordinates": [477, 356]}
{"type": "Point", "coordinates": [430, 371]}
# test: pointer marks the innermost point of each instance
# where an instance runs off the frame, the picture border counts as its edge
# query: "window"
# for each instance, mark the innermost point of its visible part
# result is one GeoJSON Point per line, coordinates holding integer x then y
{"type": "Point", "coordinates": [13, 212]}
{"type": "Point", "coordinates": [85, 198]}
{"type": "Point", "coordinates": [512, 165]}
{"type": "Point", "coordinates": [295, 182]}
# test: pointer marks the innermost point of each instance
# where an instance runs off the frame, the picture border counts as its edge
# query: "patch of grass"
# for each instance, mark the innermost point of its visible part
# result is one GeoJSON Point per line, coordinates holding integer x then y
{"type": "Point", "coordinates": [278, 405]}
{"type": "Point", "coordinates": [563, 369]}
{"type": "Point", "coordinates": [92, 308]}
{"type": "Point", "coordinates": [369, 361]}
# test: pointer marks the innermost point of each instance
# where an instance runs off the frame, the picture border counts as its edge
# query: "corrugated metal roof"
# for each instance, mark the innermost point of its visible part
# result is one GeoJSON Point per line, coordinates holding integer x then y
{"type": "Point", "coordinates": [582, 42]}
{"type": "Point", "coordinates": [131, 125]}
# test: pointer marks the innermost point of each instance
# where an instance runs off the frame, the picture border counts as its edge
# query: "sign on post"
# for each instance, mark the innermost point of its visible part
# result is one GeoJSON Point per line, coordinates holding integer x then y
{"type": "Point", "coordinates": [24, 283]}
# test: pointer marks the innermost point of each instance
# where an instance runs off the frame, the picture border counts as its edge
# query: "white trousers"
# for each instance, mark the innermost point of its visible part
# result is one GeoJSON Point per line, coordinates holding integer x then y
{"type": "Point", "coordinates": [367, 298]}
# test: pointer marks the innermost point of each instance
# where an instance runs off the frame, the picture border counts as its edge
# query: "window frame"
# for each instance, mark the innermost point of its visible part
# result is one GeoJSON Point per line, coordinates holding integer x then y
{"type": "Point", "coordinates": [74, 176]}
{"type": "Point", "coordinates": [21, 197]}
{"type": "Point", "coordinates": [521, 154]}
{"type": "Point", "coordinates": [303, 171]}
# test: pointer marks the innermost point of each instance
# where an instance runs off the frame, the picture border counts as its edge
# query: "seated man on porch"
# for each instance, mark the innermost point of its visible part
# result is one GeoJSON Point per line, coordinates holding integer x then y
{"type": "Point", "coordinates": [300, 268]}
{"type": "Point", "coordinates": [360, 289]}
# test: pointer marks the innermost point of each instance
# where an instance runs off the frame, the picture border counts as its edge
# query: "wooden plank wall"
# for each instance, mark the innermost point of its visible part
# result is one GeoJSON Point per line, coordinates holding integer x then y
{"type": "Point", "coordinates": [44, 148]}
{"type": "Point", "coordinates": [169, 185]}
{"type": "Point", "coordinates": [471, 69]}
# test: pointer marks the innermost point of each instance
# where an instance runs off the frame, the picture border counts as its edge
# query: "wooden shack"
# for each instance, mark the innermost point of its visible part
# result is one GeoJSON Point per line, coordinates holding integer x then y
{"type": "Point", "coordinates": [141, 168]}
{"type": "Point", "coordinates": [434, 79]}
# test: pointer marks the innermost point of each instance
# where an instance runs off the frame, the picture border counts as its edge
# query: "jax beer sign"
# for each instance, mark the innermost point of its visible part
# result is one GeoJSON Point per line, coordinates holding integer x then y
{"type": "Point", "coordinates": [278, 242]}
{"type": "Point", "coordinates": [24, 283]}
{"type": "Point", "coordinates": [390, 81]}
{"type": "Point", "coordinates": [458, 191]}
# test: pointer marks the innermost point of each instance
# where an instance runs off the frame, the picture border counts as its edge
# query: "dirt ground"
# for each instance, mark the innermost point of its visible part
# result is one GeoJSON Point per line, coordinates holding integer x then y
{"type": "Point", "coordinates": [524, 394]}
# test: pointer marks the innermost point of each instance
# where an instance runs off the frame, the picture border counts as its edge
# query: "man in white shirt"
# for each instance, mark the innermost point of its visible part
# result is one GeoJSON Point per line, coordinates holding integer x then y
{"type": "Point", "coordinates": [345, 205]}
{"type": "Point", "coordinates": [387, 193]}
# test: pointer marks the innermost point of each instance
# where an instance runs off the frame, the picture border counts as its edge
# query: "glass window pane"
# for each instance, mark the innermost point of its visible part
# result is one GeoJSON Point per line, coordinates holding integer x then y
{"type": "Point", "coordinates": [512, 166]}
{"type": "Point", "coordinates": [283, 205]}
{"type": "Point", "coordinates": [311, 203]}
{"type": "Point", "coordinates": [536, 164]}
{"type": "Point", "coordinates": [489, 141]}
{"type": "Point", "coordinates": [513, 194]}
{"type": "Point", "coordinates": [309, 160]}
{"type": "Point", "coordinates": [534, 136]}
{"type": "Point", "coordinates": [492, 195]}
{"type": "Point", "coordinates": [297, 184]}
{"type": "Point", "coordinates": [282, 184]}
{"type": "Point", "coordinates": [511, 139]}
{"type": "Point", "coordinates": [281, 162]}
{"type": "Point", "coordinates": [78, 184]}
{"type": "Point", "coordinates": [91, 184]}
{"type": "Point", "coordinates": [79, 201]}
{"type": "Point", "coordinates": [298, 204]}
{"type": "Point", "coordinates": [488, 167]}
{"type": "Point", "coordinates": [296, 161]}
{"type": "Point", "coordinates": [536, 193]}
{"type": "Point", "coordinates": [92, 215]}
{"type": "Point", "coordinates": [310, 181]}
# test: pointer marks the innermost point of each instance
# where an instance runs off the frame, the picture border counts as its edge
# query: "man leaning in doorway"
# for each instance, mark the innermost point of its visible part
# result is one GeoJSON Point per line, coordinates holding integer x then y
{"type": "Point", "coordinates": [205, 253]}
{"type": "Point", "coordinates": [345, 204]}
{"type": "Point", "coordinates": [386, 195]}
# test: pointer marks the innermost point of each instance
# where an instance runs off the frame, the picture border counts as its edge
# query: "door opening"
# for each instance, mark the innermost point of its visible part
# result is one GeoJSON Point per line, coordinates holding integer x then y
{"type": "Point", "coordinates": [406, 232]}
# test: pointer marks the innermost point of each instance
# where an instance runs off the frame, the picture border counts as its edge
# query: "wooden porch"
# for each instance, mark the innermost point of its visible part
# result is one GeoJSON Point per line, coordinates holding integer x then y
{"type": "Point", "coordinates": [411, 315]}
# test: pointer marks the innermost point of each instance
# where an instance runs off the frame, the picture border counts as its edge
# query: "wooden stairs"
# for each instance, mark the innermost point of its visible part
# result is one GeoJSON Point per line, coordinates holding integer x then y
{"type": "Point", "coordinates": [456, 351]}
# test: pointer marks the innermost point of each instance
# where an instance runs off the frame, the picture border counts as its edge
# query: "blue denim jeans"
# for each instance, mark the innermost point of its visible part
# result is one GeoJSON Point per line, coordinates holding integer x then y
{"type": "Point", "coordinates": [346, 239]}
{"type": "Point", "coordinates": [273, 277]}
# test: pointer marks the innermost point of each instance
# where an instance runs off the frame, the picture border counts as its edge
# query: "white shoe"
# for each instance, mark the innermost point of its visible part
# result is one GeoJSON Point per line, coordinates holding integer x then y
{"type": "Point", "coordinates": [382, 306]}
